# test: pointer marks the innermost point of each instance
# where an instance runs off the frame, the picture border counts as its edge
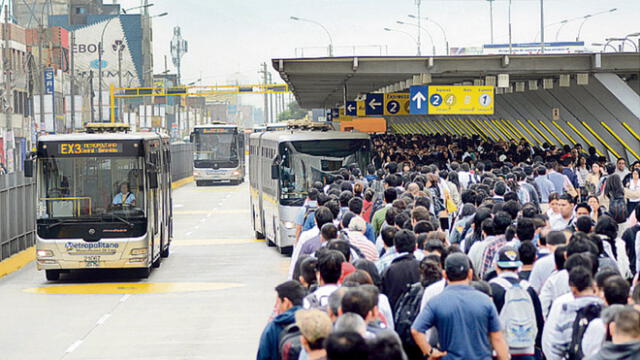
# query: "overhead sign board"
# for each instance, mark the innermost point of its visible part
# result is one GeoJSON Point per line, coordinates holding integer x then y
{"type": "Point", "coordinates": [460, 100]}
{"type": "Point", "coordinates": [351, 108]}
{"type": "Point", "coordinates": [396, 104]}
{"type": "Point", "coordinates": [361, 108]}
{"type": "Point", "coordinates": [374, 104]}
{"type": "Point", "coordinates": [418, 99]}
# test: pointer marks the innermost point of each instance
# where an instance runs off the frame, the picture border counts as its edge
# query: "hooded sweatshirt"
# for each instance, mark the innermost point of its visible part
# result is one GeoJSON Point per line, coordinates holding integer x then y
{"type": "Point", "coordinates": [268, 348]}
{"type": "Point", "coordinates": [624, 351]}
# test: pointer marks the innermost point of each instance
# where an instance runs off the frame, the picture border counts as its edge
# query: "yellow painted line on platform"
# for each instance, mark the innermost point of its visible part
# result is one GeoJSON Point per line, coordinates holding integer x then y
{"type": "Point", "coordinates": [178, 183]}
{"type": "Point", "coordinates": [207, 212]}
{"type": "Point", "coordinates": [17, 261]}
{"type": "Point", "coordinates": [207, 242]}
{"type": "Point", "coordinates": [131, 288]}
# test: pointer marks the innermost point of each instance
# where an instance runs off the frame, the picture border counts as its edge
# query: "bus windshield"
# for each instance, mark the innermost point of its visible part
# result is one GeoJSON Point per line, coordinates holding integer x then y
{"type": "Point", "coordinates": [216, 147]}
{"type": "Point", "coordinates": [90, 187]}
{"type": "Point", "coordinates": [304, 162]}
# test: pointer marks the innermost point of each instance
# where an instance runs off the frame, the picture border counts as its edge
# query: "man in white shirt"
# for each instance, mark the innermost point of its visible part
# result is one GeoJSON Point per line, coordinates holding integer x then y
{"type": "Point", "coordinates": [565, 207]}
{"type": "Point", "coordinates": [323, 216]}
{"type": "Point", "coordinates": [544, 267]}
{"type": "Point", "coordinates": [328, 271]}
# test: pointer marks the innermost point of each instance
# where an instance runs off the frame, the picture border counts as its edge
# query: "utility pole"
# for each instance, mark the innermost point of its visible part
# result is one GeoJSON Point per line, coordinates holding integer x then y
{"type": "Point", "coordinates": [542, 26]}
{"type": "Point", "coordinates": [93, 112]}
{"type": "Point", "coordinates": [72, 85]}
{"type": "Point", "coordinates": [418, 3]}
{"type": "Point", "coordinates": [491, 17]}
{"type": "Point", "coordinates": [510, 44]}
{"type": "Point", "coordinates": [263, 71]}
{"type": "Point", "coordinates": [272, 111]}
{"type": "Point", "coordinates": [6, 77]}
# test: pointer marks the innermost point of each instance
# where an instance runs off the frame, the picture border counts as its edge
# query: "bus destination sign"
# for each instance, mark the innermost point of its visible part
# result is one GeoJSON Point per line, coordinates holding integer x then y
{"type": "Point", "coordinates": [218, 131]}
{"type": "Point", "coordinates": [90, 148]}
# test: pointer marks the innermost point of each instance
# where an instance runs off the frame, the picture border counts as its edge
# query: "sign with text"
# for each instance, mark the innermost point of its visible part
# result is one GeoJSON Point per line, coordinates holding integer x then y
{"type": "Point", "coordinates": [90, 148]}
{"type": "Point", "coordinates": [49, 81]}
{"type": "Point", "coordinates": [460, 100]}
{"type": "Point", "coordinates": [396, 104]}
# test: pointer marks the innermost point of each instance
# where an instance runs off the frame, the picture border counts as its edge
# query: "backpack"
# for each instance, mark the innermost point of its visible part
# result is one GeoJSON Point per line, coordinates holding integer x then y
{"type": "Point", "coordinates": [356, 253]}
{"type": "Point", "coordinates": [308, 212]}
{"type": "Point", "coordinates": [618, 210]}
{"type": "Point", "coordinates": [407, 310]}
{"type": "Point", "coordinates": [289, 344]}
{"type": "Point", "coordinates": [315, 302]}
{"type": "Point", "coordinates": [518, 316]}
{"type": "Point", "coordinates": [583, 317]}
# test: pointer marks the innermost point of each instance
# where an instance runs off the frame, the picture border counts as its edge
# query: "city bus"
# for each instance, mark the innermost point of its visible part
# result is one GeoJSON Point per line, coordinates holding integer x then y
{"type": "Point", "coordinates": [218, 154]}
{"type": "Point", "coordinates": [103, 201]}
{"type": "Point", "coordinates": [282, 167]}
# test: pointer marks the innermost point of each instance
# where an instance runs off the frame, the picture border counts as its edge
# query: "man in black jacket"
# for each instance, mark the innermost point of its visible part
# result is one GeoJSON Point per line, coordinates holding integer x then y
{"type": "Point", "coordinates": [629, 237]}
{"type": "Point", "coordinates": [404, 270]}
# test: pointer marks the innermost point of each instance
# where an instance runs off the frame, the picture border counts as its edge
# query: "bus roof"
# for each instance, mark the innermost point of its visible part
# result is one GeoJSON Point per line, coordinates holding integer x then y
{"type": "Point", "coordinates": [215, 126]}
{"type": "Point", "coordinates": [101, 136]}
{"type": "Point", "coordinates": [302, 135]}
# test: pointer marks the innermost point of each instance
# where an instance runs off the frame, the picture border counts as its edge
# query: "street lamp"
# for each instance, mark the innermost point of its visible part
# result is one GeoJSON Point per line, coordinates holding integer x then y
{"type": "Point", "coordinates": [194, 82]}
{"type": "Point", "coordinates": [444, 33]}
{"type": "Point", "coordinates": [562, 24]}
{"type": "Point", "coordinates": [323, 28]}
{"type": "Point", "coordinates": [407, 34]}
{"type": "Point", "coordinates": [433, 45]}
{"type": "Point", "coordinates": [622, 42]}
{"type": "Point", "coordinates": [589, 16]}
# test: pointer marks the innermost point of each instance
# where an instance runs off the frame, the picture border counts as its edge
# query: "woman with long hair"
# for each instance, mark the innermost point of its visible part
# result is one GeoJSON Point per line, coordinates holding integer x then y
{"type": "Point", "coordinates": [614, 191]}
{"type": "Point", "coordinates": [632, 191]}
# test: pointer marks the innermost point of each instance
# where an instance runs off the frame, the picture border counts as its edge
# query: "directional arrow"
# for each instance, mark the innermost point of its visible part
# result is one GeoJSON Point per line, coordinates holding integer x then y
{"type": "Point", "coordinates": [350, 107]}
{"type": "Point", "coordinates": [373, 104]}
{"type": "Point", "coordinates": [419, 98]}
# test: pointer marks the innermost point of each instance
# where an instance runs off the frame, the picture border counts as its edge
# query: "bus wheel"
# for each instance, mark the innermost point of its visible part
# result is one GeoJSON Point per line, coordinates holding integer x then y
{"type": "Point", "coordinates": [199, 182]}
{"type": "Point", "coordinates": [259, 235]}
{"type": "Point", "coordinates": [52, 275]}
{"type": "Point", "coordinates": [165, 252]}
{"type": "Point", "coordinates": [285, 250]}
{"type": "Point", "coordinates": [156, 264]}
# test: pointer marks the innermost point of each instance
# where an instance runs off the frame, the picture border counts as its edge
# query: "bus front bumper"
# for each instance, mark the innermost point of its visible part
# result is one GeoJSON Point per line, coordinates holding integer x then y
{"type": "Point", "coordinates": [217, 175]}
{"type": "Point", "coordinates": [68, 254]}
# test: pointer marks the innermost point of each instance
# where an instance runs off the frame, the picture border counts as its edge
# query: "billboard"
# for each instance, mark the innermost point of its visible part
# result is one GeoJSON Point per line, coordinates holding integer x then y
{"type": "Point", "coordinates": [120, 38]}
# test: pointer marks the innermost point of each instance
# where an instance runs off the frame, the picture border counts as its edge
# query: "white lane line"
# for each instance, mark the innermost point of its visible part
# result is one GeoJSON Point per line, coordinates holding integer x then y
{"type": "Point", "coordinates": [177, 206]}
{"type": "Point", "coordinates": [103, 319]}
{"type": "Point", "coordinates": [125, 297]}
{"type": "Point", "coordinates": [189, 233]}
{"type": "Point", "coordinates": [209, 215]}
{"type": "Point", "coordinates": [73, 346]}
{"type": "Point", "coordinates": [219, 204]}
{"type": "Point", "coordinates": [203, 220]}
{"type": "Point", "coordinates": [197, 227]}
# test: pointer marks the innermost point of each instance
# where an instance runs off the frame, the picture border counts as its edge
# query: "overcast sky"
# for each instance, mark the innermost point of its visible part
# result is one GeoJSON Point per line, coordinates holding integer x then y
{"type": "Point", "coordinates": [228, 39]}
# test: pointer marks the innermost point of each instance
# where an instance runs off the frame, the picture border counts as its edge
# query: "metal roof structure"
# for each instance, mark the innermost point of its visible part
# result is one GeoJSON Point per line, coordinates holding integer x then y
{"type": "Point", "coordinates": [324, 82]}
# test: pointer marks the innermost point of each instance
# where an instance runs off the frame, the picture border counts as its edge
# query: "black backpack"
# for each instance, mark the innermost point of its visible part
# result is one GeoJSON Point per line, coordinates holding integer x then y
{"type": "Point", "coordinates": [583, 317]}
{"type": "Point", "coordinates": [407, 310]}
{"type": "Point", "coordinates": [618, 210]}
{"type": "Point", "coordinates": [289, 343]}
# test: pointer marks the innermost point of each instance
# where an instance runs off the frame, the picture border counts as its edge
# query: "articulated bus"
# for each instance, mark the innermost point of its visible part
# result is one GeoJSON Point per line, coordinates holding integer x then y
{"type": "Point", "coordinates": [282, 167]}
{"type": "Point", "coordinates": [104, 201]}
{"type": "Point", "coordinates": [218, 154]}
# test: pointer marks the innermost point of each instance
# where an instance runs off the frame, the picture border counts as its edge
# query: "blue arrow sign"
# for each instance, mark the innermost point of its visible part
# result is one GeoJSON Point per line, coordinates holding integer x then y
{"type": "Point", "coordinates": [335, 113]}
{"type": "Point", "coordinates": [374, 104]}
{"type": "Point", "coordinates": [351, 108]}
{"type": "Point", "coordinates": [418, 96]}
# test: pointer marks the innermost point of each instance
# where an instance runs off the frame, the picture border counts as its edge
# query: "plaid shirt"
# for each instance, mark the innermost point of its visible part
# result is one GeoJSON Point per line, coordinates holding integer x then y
{"type": "Point", "coordinates": [489, 254]}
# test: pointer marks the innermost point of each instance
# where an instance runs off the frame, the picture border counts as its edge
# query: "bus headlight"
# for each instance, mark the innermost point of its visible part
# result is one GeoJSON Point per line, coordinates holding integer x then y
{"type": "Point", "coordinates": [44, 253]}
{"type": "Point", "coordinates": [141, 251]}
{"type": "Point", "coordinates": [236, 173]}
{"type": "Point", "coordinates": [196, 173]}
{"type": "Point", "coordinates": [289, 225]}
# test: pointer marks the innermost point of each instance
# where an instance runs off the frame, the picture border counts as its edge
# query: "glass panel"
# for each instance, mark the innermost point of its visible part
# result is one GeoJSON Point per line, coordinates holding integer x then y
{"type": "Point", "coordinates": [90, 187]}
{"type": "Point", "coordinates": [304, 162]}
{"type": "Point", "coordinates": [217, 147]}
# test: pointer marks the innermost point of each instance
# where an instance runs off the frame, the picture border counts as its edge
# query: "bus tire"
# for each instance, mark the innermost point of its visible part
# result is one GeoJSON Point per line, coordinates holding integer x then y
{"type": "Point", "coordinates": [52, 275]}
{"type": "Point", "coordinates": [199, 182]}
{"type": "Point", "coordinates": [165, 252]}
{"type": "Point", "coordinates": [259, 235]}
{"type": "Point", "coordinates": [285, 250]}
{"type": "Point", "coordinates": [156, 264]}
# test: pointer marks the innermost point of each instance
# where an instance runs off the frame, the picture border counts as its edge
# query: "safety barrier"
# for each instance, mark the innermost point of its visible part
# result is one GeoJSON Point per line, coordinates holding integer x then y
{"type": "Point", "coordinates": [17, 214]}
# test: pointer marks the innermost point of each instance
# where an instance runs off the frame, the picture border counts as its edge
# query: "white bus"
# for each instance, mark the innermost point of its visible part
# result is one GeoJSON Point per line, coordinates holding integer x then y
{"type": "Point", "coordinates": [104, 201]}
{"type": "Point", "coordinates": [218, 154]}
{"type": "Point", "coordinates": [282, 167]}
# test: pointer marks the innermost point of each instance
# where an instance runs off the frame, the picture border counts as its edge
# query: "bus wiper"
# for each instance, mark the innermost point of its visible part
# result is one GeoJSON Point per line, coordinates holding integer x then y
{"type": "Point", "coordinates": [121, 219]}
{"type": "Point", "coordinates": [62, 222]}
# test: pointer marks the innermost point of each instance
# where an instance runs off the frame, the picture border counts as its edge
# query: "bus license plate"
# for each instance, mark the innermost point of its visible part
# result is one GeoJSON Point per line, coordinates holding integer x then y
{"type": "Point", "coordinates": [92, 261]}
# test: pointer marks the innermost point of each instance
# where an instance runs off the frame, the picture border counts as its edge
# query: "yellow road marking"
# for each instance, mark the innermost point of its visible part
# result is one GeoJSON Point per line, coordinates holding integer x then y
{"type": "Point", "coordinates": [17, 261]}
{"type": "Point", "coordinates": [207, 212]}
{"type": "Point", "coordinates": [205, 242]}
{"type": "Point", "coordinates": [181, 182]}
{"type": "Point", "coordinates": [131, 288]}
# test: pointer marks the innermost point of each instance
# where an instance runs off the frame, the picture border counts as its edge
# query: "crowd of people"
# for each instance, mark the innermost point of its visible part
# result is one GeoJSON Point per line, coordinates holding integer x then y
{"type": "Point", "coordinates": [459, 248]}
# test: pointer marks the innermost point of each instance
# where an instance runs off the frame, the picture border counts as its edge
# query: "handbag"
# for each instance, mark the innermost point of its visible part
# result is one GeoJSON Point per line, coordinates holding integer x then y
{"type": "Point", "coordinates": [451, 205]}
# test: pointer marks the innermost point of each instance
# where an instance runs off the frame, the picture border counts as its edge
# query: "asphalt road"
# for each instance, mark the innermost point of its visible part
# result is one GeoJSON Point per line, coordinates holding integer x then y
{"type": "Point", "coordinates": [209, 300]}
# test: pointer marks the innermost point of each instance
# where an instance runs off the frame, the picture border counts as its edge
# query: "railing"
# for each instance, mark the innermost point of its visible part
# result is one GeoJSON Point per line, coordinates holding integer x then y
{"type": "Point", "coordinates": [17, 214]}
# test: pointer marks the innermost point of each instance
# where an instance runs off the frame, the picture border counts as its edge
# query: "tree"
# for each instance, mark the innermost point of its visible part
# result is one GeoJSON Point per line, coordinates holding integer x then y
{"type": "Point", "coordinates": [294, 112]}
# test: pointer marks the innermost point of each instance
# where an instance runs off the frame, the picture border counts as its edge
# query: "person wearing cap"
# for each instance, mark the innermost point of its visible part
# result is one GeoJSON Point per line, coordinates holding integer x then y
{"type": "Point", "coordinates": [507, 268]}
{"type": "Point", "coordinates": [315, 326]}
{"type": "Point", "coordinates": [467, 321]}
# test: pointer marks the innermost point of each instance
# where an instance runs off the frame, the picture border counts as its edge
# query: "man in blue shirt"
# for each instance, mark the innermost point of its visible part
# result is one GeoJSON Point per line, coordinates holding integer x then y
{"type": "Point", "coordinates": [124, 197]}
{"type": "Point", "coordinates": [467, 321]}
{"type": "Point", "coordinates": [545, 186]}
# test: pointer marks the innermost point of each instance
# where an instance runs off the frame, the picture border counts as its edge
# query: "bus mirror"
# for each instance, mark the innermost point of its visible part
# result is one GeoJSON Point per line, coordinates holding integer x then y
{"type": "Point", "coordinates": [28, 168]}
{"type": "Point", "coordinates": [192, 137]}
{"type": "Point", "coordinates": [275, 171]}
{"type": "Point", "coordinates": [153, 180]}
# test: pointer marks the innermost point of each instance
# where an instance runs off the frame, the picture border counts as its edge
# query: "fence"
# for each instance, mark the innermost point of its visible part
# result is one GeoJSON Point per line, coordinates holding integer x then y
{"type": "Point", "coordinates": [181, 161]}
{"type": "Point", "coordinates": [17, 214]}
